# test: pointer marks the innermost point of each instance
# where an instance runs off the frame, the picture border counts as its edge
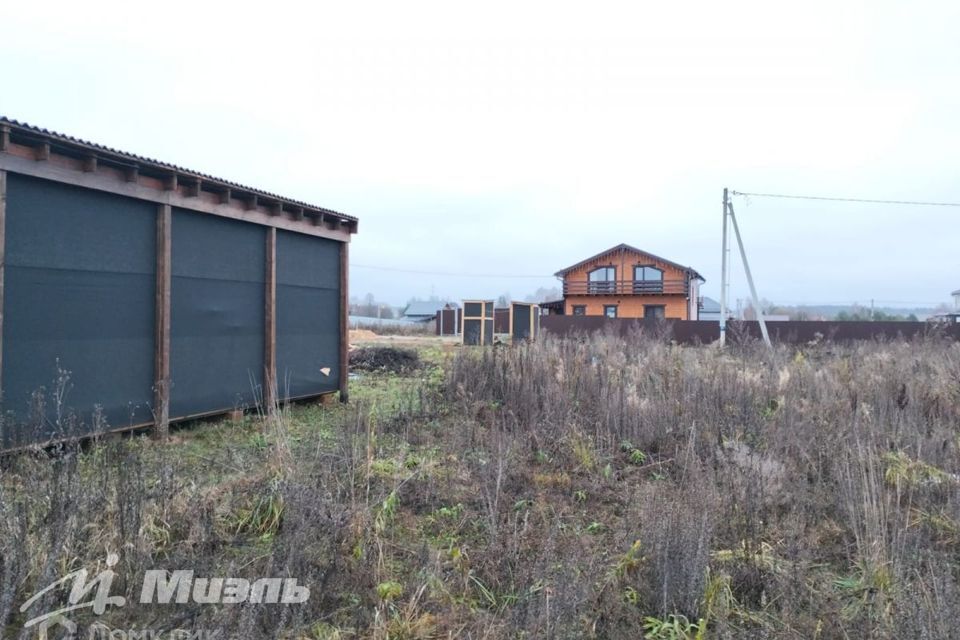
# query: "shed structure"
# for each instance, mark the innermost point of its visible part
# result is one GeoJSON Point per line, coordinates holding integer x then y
{"type": "Point", "coordinates": [136, 292]}
{"type": "Point", "coordinates": [477, 322]}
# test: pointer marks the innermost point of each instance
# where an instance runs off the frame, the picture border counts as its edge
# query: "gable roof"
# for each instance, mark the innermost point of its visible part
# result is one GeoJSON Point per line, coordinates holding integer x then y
{"type": "Point", "coordinates": [626, 247]}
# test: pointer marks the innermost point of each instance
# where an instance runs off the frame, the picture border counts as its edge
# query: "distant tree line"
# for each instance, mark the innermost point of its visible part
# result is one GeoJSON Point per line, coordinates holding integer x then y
{"type": "Point", "coordinates": [867, 315]}
{"type": "Point", "coordinates": [854, 313]}
{"type": "Point", "coordinates": [368, 307]}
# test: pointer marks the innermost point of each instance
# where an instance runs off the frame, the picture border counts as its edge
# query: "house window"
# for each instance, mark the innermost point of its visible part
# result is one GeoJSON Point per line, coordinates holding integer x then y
{"type": "Point", "coordinates": [654, 311]}
{"type": "Point", "coordinates": [647, 279]}
{"type": "Point", "coordinates": [602, 280]}
{"type": "Point", "coordinates": [579, 309]}
{"type": "Point", "coordinates": [610, 310]}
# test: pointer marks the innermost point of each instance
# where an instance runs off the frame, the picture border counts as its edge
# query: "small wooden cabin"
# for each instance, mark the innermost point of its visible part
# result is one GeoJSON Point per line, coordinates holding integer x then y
{"type": "Point", "coordinates": [136, 292]}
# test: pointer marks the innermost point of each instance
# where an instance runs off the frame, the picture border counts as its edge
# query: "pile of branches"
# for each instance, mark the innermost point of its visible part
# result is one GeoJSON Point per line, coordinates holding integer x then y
{"type": "Point", "coordinates": [384, 359]}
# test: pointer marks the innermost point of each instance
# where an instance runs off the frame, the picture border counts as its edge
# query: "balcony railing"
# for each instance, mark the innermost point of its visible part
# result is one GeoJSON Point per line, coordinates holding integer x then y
{"type": "Point", "coordinates": [626, 288]}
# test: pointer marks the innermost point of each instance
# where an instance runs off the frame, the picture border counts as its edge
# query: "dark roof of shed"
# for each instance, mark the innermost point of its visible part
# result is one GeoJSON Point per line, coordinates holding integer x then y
{"type": "Point", "coordinates": [709, 305]}
{"type": "Point", "coordinates": [627, 247]}
{"type": "Point", "coordinates": [61, 140]}
{"type": "Point", "coordinates": [424, 308]}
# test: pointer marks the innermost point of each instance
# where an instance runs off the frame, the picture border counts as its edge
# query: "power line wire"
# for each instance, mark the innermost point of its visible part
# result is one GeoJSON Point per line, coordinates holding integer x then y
{"type": "Point", "coordinates": [865, 200]}
{"type": "Point", "coordinates": [450, 274]}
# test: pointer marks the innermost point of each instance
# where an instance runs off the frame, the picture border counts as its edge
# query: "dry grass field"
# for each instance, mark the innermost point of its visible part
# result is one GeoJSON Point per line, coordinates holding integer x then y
{"type": "Point", "coordinates": [591, 488]}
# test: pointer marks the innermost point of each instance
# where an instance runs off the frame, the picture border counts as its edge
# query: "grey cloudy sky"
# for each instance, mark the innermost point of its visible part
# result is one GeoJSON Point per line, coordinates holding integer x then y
{"type": "Point", "coordinates": [517, 138]}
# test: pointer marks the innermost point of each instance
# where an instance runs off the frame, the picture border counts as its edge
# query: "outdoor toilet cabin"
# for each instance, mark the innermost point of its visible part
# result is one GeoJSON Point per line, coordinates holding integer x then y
{"type": "Point", "coordinates": [477, 322]}
{"type": "Point", "coordinates": [524, 321]}
{"type": "Point", "coordinates": [136, 292]}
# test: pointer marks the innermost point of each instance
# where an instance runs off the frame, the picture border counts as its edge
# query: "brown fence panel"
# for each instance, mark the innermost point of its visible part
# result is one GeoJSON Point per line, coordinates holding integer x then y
{"type": "Point", "coordinates": [501, 320]}
{"type": "Point", "coordinates": [448, 322]}
{"type": "Point", "coordinates": [701, 332]}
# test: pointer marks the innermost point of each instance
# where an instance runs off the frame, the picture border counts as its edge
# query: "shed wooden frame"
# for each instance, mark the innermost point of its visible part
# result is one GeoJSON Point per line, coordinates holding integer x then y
{"type": "Point", "coordinates": [483, 318]}
{"type": "Point", "coordinates": [38, 153]}
{"type": "Point", "coordinates": [534, 317]}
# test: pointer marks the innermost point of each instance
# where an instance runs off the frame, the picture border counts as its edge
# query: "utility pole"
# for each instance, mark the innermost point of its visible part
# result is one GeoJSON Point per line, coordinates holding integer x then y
{"type": "Point", "coordinates": [746, 268]}
{"type": "Point", "coordinates": [723, 275]}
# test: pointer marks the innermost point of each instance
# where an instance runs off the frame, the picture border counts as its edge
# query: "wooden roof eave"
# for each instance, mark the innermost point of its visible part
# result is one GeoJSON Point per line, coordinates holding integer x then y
{"type": "Point", "coordinates": [54, 157]}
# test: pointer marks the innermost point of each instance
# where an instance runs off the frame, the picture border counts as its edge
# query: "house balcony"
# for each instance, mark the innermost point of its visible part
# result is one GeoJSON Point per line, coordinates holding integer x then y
{"type": "Point", "coordinates": [679, 287]}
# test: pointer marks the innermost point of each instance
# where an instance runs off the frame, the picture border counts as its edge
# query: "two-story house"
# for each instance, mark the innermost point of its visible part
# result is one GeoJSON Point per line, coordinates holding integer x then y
{"type": "Point", "coordinates": [625, 282]}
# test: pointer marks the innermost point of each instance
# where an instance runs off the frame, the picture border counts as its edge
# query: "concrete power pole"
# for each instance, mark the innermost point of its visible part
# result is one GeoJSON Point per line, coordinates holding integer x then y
{"type": "Point", "coordinates": [723, 275]}
{"type": "Point", "coordinates": [746, 268]}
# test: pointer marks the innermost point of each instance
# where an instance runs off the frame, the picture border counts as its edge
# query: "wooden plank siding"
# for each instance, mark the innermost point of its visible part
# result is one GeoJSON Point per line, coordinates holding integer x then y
{"type": "Point", "coordinates": [675, 307]}
{"type": "Point", "coordinates": [628, 306]}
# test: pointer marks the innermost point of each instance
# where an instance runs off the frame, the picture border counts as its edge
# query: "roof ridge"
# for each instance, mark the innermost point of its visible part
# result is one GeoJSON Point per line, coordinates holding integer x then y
{"type": "Point", "coordinates": [624, 245]}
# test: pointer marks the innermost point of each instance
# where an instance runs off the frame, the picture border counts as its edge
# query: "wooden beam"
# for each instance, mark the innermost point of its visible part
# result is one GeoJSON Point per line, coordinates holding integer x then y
{"type": "Point", "coordinates": [252, 203]}
{"type": "Point", "coordinates": [193, 190]}
{"type": "Point", "coordinates": [344, 321]}
{"type": "Point", "coordinates": [170, 184]}
{"type": "Point", "coordinates": [90, 164]}
{"type": "Point", "coordinates": [161, 385]}
{"type": "Point", "coordinates": [4, 137]}
{"type": "Point", "coordinates": [120, 183]}
{"type": "Point", "coordinates": [270, 326]}
{"type": "Point", "coordinates": [298, 213]}
{"type": "Point", "coordinates": [225, 196]}
{"type": "Point", "coordinates": [277, 208]}
{"type": "Point", "coordinates": [43, 151]}
{"type": "Point", "coordinates": [3, 262]}
{"type": "Point", "coordinates": [133, 173]}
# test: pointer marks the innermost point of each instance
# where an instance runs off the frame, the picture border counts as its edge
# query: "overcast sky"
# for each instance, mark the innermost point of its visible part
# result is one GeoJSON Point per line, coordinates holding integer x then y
{"type": "Point", "coordinates": [516, 138]}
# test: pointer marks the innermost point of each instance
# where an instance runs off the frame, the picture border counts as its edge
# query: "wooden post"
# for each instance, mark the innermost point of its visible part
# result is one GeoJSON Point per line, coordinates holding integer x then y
{"type": "Point", "coordinates": [344, 320]}
{"type": "Point", "coordinates": [270, 326]}
{"type": "Point", "coordinates": [3, 262]}
{"type": "Point", "coordinates": [161, 397]}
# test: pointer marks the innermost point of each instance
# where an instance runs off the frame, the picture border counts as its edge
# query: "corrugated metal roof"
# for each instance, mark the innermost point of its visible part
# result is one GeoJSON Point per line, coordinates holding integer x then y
{"type": "Point", "coordinates": [424, 308]}
{"type": "Point", "coordinates": [78, 144]}
{"type": "Point", "coordinates": [709, 305]}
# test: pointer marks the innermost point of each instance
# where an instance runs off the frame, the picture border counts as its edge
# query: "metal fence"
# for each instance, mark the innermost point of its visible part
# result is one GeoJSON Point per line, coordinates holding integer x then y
{"type": "Point", "coordinates": [790, 332]}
